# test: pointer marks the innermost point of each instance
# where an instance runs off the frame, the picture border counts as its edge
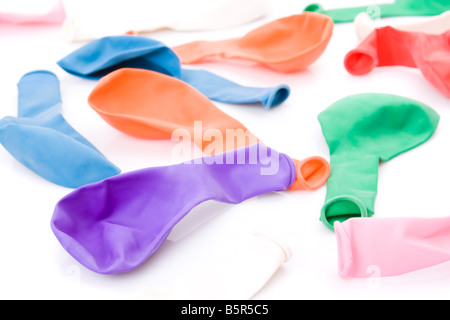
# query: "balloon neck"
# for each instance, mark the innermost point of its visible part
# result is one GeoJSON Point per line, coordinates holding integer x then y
{"type": "Point", "coordinates": [351, 188]}
{"type": "Point", "coordinates": [341, 209]}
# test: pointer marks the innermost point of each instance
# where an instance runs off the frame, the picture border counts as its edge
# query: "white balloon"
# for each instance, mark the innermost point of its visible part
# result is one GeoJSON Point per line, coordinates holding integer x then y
{"type": "Point", "coordinates": [364, 25]}
{"type": "Point", "coordinates": [237, 276]}
{"type": "Point", "coordinates": [90, 20]}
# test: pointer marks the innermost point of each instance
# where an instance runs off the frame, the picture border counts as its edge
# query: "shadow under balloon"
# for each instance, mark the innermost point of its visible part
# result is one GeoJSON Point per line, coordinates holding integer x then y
{"type": "Point", "coordinates": [198, 217]}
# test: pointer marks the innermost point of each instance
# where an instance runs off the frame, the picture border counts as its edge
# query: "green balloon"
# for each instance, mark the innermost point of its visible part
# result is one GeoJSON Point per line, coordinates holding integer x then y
{"type": "Point", "coordinates": [398, 9]}
{"type": "Point", "coordinates": [361, 131]}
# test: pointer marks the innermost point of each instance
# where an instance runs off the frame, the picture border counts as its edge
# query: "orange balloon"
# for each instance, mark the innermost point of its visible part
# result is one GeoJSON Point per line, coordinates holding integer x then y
{"type": "Point", "coordinates": [288, 44]}
{"type": "Point", "coordinates": [150, 105]}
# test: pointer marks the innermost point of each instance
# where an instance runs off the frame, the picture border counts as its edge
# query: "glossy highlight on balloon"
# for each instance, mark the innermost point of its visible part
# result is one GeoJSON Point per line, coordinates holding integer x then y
{"type": "Point", "coordinates": [98, 58]}
{"type": "Point", "coordinates": [388, 46]}
{"type": "Point", "coordinates": [362, 130]}
{"type": "Point", "coordinates": [42, 140]}
{"type": "Point", "coordinates": [289, 44]}
{"type": "Point", "coordinates": [115, 225]}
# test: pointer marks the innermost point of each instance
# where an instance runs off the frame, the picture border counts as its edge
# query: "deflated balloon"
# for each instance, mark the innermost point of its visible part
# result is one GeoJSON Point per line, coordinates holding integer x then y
{"type": "Point", "coordinates": [115, 225]}
{"type": "Point", "coordinates": [100, 57]}
{"type": "Point", "coordinates": [42, 140]}
{"type": "Point", "coordinates": [388, 46]}
{"type": "Point", "coordinates": [288, 44]}
{"type": "Point", "coordinates": [361, 131]}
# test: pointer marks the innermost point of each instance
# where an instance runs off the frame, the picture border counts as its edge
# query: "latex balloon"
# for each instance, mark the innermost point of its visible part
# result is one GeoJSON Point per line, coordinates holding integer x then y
{"type": "Point", "coordinates": [237, 276]}
{"type": "Point", "coordinates": [361, 131]}
{"type": "Point", "coordinates": [288, 44]}
{"type": "Point", "coordinates": [386, 247]}
{"type": "Point", "coordinates": [223, 90]}
{"type": "Point", "coordinates": [150, 105]}
{"type": "Point", "coordinates": [115, 225]}
{"type": "Point", "coordinates": [42, 140]}
{"type": "Point", "coordinates": [102, 56]}
{"type": "Point", "coordinates": [397, 9]}
{"type": "Point", "coordinates": [364, 25]}
{"type": "Point", "coordinates": [55, 16]}
{"type": "Point", "coordinates": [89, 20]}
{"type": "Point", "coordinates": [391, 47]}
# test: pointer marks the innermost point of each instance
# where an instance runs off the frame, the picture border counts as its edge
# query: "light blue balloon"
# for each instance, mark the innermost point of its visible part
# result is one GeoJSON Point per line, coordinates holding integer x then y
{"type": "Point", "coordinates": [42, 140]}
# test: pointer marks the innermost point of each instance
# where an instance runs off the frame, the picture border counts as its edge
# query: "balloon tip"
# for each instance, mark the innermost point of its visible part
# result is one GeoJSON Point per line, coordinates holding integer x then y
{"type": "Point", "coordinates": [278, 96]}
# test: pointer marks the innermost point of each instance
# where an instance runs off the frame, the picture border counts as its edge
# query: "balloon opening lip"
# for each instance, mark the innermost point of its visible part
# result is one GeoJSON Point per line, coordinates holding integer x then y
{"type": "Point", "coordinates": [326, 219]}
{"type": "Point", "coordinates": [312, 173]}
{"type": "Point", "coordinates": [279, 95]}
{"type": "Point", "coordinates": [39, 71]}
{"type": "Point", "coordinates": [359, 62]}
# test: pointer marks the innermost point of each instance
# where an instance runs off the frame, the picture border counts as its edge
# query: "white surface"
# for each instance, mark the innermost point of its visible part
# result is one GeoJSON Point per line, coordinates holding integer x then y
{"type": "Point", "coordinates": [35, 266]}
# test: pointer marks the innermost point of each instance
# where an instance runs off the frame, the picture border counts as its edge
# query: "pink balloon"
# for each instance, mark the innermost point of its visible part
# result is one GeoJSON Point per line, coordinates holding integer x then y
{"type": "Point", "coordinates": [386, 247]}
{"type": "Point", "coordinates": [56, 15]}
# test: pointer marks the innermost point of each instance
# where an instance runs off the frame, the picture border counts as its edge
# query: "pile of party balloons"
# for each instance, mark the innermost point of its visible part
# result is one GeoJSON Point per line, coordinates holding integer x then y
{"type": "Point", "coordinates": [113, 222]}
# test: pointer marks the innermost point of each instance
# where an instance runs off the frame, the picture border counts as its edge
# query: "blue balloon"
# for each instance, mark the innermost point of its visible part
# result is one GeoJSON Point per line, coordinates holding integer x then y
{"type": "Point", "coordinates": [102, 56]}
{"type": "Point", "coordinates": [42, 140]}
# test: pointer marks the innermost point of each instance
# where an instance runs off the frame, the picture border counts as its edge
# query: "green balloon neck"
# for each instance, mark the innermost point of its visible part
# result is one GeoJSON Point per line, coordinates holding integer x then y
{"type": "Point", "coordinates": [351, 188]}
{"type": "Point", "coordinates": [361, 131]}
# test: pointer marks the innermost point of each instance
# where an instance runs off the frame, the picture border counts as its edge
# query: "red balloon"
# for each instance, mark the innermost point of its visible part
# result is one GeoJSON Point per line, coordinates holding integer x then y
{"type": "Point", "coordinates": [388, 46]}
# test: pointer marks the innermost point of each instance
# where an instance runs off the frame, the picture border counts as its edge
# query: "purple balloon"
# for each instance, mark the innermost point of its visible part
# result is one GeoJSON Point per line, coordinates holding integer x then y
{"type": "Point", "coordinates": [115, 225]}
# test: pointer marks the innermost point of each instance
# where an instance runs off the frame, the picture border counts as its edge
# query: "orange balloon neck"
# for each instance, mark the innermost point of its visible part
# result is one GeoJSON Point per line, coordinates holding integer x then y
{"type": "Point", "coordinates": [312, 173]}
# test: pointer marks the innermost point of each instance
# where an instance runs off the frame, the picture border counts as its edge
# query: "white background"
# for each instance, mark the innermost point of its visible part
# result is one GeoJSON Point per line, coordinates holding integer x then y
{"type": "Point", "coordinates": [33, 265]}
